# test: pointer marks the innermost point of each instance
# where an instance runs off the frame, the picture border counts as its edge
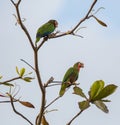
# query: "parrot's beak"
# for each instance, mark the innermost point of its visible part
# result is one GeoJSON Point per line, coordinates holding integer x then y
{"type": "Point", "coordinates": [81, 65]}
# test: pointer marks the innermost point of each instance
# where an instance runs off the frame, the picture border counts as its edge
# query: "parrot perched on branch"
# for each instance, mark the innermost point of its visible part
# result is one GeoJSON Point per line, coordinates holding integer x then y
{"type": "Point", "coordinates": [70, 77]}
{"type": "Point", "coordinates": [46, 29]}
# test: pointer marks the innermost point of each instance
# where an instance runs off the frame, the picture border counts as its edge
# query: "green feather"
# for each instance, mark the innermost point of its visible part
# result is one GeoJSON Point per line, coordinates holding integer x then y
{"type": "Point", "coordinates": [70, 77]}
{"type": "Point", "coordinates": [46, 29]}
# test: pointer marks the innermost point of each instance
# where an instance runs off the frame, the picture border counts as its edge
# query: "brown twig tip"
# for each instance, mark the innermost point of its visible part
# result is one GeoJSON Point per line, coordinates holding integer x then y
{"type": "Point", "coordinates": [48, 82]}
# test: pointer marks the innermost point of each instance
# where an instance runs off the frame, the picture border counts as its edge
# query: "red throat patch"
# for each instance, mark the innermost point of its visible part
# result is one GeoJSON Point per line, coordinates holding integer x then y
{"type": "Point", "coordinates": [80, 65]}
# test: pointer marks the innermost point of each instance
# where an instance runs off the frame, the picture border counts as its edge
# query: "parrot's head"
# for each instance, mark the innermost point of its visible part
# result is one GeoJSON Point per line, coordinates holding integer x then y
{"type": "Point", "coordinates": [54, 22]}
{"type": "Point", "coordinates": [78, 65]}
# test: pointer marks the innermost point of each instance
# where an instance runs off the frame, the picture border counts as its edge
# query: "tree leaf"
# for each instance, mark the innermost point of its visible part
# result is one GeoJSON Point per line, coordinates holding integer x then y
{"type": "Point", "coordinates": [0, 77]}
{"type": "Point", "coordinates": [106, 91]}
{"type": "Point", "coordinates": [27, 79]}
{"type": "Point", "coordinates": [101, 106]}
{"type": "Point", "coordinates": [100, 22]}
{"type": "Point", "coordinates": [95, 89]}
{"type": "Point", "coordinates": [27, 104]}
{"type": "Point", "coordinates": [44, 121]}
{"type": "Point", "coordinates": [83, 105]}
{"type": "Point", "coordinates": [105, 100]}
{"type": "Point", "coordinates": [22, 71]}
{"type": "Point", "coordinates": [17, 70]}
{"type": "Point", "coordinates": [78, 91]}
{"type": "Point", "coordinates": [6, 84]}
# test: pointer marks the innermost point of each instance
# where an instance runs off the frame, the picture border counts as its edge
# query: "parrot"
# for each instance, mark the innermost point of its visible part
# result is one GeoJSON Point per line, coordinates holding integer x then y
{"type": "Point", "coordinates": [46, 29]}
{"type": "Point", "coordinates": [70, 77]}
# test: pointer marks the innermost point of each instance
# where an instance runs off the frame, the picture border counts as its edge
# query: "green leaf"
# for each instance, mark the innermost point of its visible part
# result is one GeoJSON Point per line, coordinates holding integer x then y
{"type": "Point", "coordinates": [27, 104]}
{"type": "Point", "coordinates": [22, 71]}
{"type": "Point", "coordinates": [101, 106]}
{"type": "Point", "coordinates": [100, 22]}
{"type": "Point", "coordinates": [83, 105]}
{"type": "Point", "coordinates": [0, 77]}
{"type": "Point", "coordinates": [17, 70]}
{"type": "Point", "coordinates": [7, 84]}
{"type": "Point", "coordinates": [95, 89]}
{"type": "Point", "coordinates": [105, 100]}
{"type": "Point", "coordinates": [27, 79]}
{"type": "Point", "coordinates": [78, 91]}
{"type": "Point", "coordinates": [106, 91]}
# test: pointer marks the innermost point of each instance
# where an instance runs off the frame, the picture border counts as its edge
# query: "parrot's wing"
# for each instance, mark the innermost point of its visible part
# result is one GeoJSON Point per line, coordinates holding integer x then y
{"type": "Point", "coordinates": [45, 30]}
{"type": "Point", "coordinates": [67, 75]}
{"type": "Point", "coordinates": [63, 88]}
{"type": "Point", "coordinates": [65, 79]}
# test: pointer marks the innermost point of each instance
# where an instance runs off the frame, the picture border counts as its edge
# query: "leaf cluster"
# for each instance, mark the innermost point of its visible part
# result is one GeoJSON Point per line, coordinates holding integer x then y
{"type": "Point", "coordinates": [98, 91]}
{"type": "Point", "coordinates": [24, 76]}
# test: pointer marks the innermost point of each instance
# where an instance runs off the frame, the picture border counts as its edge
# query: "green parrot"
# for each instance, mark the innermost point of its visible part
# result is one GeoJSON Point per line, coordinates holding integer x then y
{"type": "Point", "coordinates": [70, 77]}
{"type": "Point", "coordinates": [46, 29]}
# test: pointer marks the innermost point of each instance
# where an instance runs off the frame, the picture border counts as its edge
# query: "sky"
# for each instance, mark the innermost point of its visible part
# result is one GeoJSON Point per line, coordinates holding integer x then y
{"type": "Point", "coordinates": [99, 50]}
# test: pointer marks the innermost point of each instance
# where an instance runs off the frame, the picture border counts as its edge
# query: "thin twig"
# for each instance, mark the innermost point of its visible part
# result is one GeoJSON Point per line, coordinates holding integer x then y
{"type": "Point", "coordinates": [86, 16]}
{"type": "Point", "coordinates": [52, 102]}
{"type": "Point", "coordinates": [74, 117]}
{"type": "Point", "coordinates": [28, 64]}
{"type": "Point", "coordinates": [8, 101]}
{"type": "Point", "coordinates": [49, 81]}
{"type": "Point", "coordinates": [81, 21]}
{"type": "Point", "coordinates": [21, 23]}
{"type": "Point", "coordinates": [53, 85]}
{"type": "Point", "coordinates": [18, 113]}
{"type": "Point", "coordinates": [44, 40]}
{"type": "Point", "coordinates": [13, 79]}
{"type": "Point", "coordinates": [98, 10]}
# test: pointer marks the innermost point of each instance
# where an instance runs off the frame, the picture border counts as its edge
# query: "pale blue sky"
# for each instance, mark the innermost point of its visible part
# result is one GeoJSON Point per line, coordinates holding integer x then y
{"type": "Point", "coordinates": [99, 50]}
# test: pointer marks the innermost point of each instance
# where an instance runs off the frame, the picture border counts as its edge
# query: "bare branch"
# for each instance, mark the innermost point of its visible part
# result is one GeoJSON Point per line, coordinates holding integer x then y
{"type": "Point", "coordinates": [74, 117]}
{"type": "Point", "coordinates": [44, 40]}
{"type": "Point", "coordinates": [54, 85]}
{"type": "Point", "coordinates": [13, 2]}
{"type": "Point", "coordinates": [28, 64]}
{"type": "Point", "coordinates": [86, 16]}
{"type": "Point", "coordinates": [42, 88]}
{"type": "Point", "coordinates": [49, 81]}
{"type": "Point", "coordinates": [52, 102]}
{"type": "Point", "coordinates": [81, 21]}
{"type": "Point", "coordinates": [7, 101]}
{"type": "Point", "coordinates": [21, 23]}
{"type": "Point", "coordinates": [18, 113]}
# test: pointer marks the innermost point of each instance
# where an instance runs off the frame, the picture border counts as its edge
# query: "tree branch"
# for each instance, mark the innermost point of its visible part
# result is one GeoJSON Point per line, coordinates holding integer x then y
{"type": "Point", "coordinates": [71, 32]}
{"type": "Point", "coordinates": [10, 80]}
{"type": "Point", "coordinates": [49, 81]}
{"type": "Point", "coordinates": [74, 117]}
{"type": "Point", "coordinates": [8, 101]}
{"type": "Point", "coordinates": [36, 69]}
{"type": "Point", "coordinates": [18, 113]}
{"type": "Point", "coordinates": [52, 102]}
{"type": "Point", "coordinates": [44, 40]}
{"type": "Point", "coordinates": [20, 22]}
{"type": "Point", "coordinates": [27, 64]}
{"type": "Point", "coordinates": [42, 88]}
